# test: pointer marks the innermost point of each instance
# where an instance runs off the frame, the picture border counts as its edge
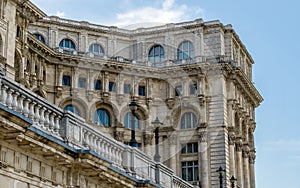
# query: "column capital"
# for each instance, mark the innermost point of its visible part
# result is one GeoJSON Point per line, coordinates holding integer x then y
{"type": "Point", "coordinates": [148, 138]}
{"type": "Point", "coordinates": [246, 151]}
{"type": "Point", "coordinates": [239, 144]}
{"type": "Point", "coordinates": [172, 139]}
{"type": "Point", "coordinates": [202, 135]}
{"type": "Point", "coordinates": [231, 138]}
{"type": "Point", "coordinates": [252, 156]}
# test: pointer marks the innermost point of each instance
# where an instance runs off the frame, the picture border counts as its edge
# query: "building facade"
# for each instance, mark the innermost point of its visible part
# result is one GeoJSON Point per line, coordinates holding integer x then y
{"type": "Point", "coordinates": [65, 90]}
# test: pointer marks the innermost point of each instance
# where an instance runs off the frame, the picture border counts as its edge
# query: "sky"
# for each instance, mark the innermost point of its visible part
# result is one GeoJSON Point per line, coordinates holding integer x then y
{"type": "Point", "coordinates": [270, 31]}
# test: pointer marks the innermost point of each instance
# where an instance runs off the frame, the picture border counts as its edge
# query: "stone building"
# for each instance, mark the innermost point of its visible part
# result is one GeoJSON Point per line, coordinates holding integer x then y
{"type": "Point", "coordinates": [65, 90]}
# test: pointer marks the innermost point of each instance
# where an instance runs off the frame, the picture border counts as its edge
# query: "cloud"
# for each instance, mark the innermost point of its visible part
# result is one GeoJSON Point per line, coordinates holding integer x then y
{"type": "Point", "coordinates": [60, 14]}
{"type": "Point", "coordinates": [167, 12]}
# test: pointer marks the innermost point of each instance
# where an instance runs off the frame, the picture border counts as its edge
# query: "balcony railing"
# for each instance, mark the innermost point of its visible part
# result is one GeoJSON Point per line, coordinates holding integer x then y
{"type": "Point", "coordinates": [73, 130]}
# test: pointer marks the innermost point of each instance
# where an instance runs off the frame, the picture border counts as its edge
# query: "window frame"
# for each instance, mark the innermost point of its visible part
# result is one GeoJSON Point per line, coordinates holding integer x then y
{"type": "Point", "coordinates": [186, 166]}
{"type": "Point", "coordinates": [188, 53]}
{"type": "Point", "coordinates": [143, 93]}
{"type": "Point", "coordinates": [105, 115]}
{"type": "Point", "coordinates": [178, 91]}
{"type": "Point", "coordinates": [192, 145]}
{"type": "Point", "coordinates": [67, 44]}
{"type": "Point", "coordinates": [189, 122]}
{"type": "Point", "coordinates": [81, 83]}
{"type": "Point", "coordinates": [63, 83]}
{"type": "Point", "coordinates": [97, 82]}
{"type": "Point", "coordinates": [156, 54]}
{"type": "Point", "coordinates": [92, 49]}
{"type": "Point", "coordinates": [126, 88]}
{"type": "Point", "coordinates": [39, 37]}
{"type": "Point", "coordinates": [72, 108]}
{"type": "Point", "coordinates": [112, 86]}
{"type": "Point", "coordinates": [127, 121]}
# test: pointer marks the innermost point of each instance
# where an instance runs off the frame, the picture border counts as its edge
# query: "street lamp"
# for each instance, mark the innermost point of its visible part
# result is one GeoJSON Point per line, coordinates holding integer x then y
{"type": "Point", "coordinates": [232, 181]}
{"type": "Point", "coordinates": [133, 107]}
{"type": "Point", "coordinates": [156, 124]}
{"type": "Point", "coordinates": [221, 171]}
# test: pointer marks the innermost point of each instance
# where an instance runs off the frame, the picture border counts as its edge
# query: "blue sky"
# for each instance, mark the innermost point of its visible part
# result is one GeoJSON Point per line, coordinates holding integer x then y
{"type": "Point", "coordinates": [270, 31]}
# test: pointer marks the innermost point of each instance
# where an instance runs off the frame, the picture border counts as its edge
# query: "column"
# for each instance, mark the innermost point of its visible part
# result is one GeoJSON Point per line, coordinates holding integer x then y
{"type": "Point", "coordinates": [246, 166]}
{"type": "Point", "coordinates": [147, 143]}
{"type": "Point", "coordinates": [239, 146]}
{"type": "Point", "coordinates": [172, 154]}
{"type": "Point", "coordinates": [203, 158]}
{"type": "Point", "coordinates": [105, 82]}
{"type": "Point", "coordinates": [231, 139]}
{"type": "Point", "coordinates": [252, 157]}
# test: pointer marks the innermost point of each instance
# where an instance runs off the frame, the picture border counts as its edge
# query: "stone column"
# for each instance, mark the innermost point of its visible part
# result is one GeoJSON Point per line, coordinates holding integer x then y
{"type": "Point", "coordinates": [203, 158]}
{"type": "Point", "coordinates": [239, 146]}
{"type": "Point", "coordinates": [252, 157]}
{"type": "Point", "coordinates": [172, 155]}
{"type": "Point", "coordinates": [147, 143]}
{"type": "Point", "coordinates": [105, 82]}
{"type": "Point", "coordinates": [246, 166]}
{"type": "Point", "coordinates": [231, 139]}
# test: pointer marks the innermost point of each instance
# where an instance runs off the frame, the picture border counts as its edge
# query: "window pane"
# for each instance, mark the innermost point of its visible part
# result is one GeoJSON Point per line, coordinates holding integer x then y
{"type": "Point", "coordinates": [142, 90]}
{"type": "Point", "coordinates": [127, 88]}
{"type": "Point", "coordinates": [97, 85]}
{"type": "Point", "coordinates": [81, 82]}
{"type": "Point", "coordinates": [66, 81]}
{"type": "Point", "coordinates": [112, 86]}
{"type": "Point", "coordinates": [101, 117]}
{"type": "Point", "coordinates": [156, 54]}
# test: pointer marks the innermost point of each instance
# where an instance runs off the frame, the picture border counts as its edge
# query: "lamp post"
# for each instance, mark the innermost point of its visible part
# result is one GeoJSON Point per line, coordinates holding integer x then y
{"type": "Point", "coordinates": [232, 181]}
{"type": "Point", "coordinates": [133, 107]}
{"type": "Point", "coordinates": [156, 124]}
{"type": "Point", "coordinates": [221, 171]}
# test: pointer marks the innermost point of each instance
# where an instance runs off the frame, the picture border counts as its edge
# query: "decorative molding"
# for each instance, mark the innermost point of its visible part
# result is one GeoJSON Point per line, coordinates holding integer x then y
{"type": "Point", "coordinates": [252, 156]}
{"type": "Point", "coordinates": [231, 138]}
{"type": "Point", "coordinates": [239, 145]}
{"type": "Point", "coordinates": [202, 136]}
{"type": "Point", "coordinates": [172, 139]}
{"type": "Point", "coordinates": [148, 138]}
{"type": "Point", "coordinates": [246, 151]}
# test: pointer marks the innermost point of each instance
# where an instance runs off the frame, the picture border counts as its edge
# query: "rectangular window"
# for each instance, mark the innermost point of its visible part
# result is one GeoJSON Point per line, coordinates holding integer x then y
{"type": "Point", "coordinates": [190, 171]}
{"type": "Point", "coordinates": [66, 81]}
{"type": "Point", "coordinates": [127, 88]}
{"type": "Point", "coordinates": [189, 148]}
{"type": "Point", "coordinates": [97, 84]}
{"type": "Point", "coordinates": [111, 87]}
{"type": "Point", "coordinates": [142, 90]}
{"type": "Point", "coordinates": [193, 89]}
{"type": "Point", "coordinates": [81, 83]}
{"type": "Point", "coordinates": [178, 91]}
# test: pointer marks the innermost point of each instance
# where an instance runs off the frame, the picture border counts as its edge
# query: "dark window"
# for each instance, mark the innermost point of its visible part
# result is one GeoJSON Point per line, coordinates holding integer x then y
{"type": "Point", "coordinates": [111, 87]}
{"type": "Point", "coordinates": [40, 38]}
{"type": "Point", "coordinates": [127, 88]}
{"type": "Point", "coordinates": [67, 43]}
{"type": "Point", "coordinates": [81, 83]}
{"type": "Point", "coordinates": [72, 109]}
{"type": "Point", "coordinates": [142, 90]}
{"type": "Point", "coordinates": [193, 89]}
{"type": "Point", "coordinates": [188, 121]}
{"type": "Point", "coordinates": [128, 120]}
{"type": "Point", "coordinates": [178, 91]}
{"type": "Point", "coordinates": [66, 81]}
{"type": "Point", "coordinates": [185, 50]}
{"type": "Point", "coordinates": [97, 84]}
{"type": "Point", "coordinates": [190, 171]}
{"type": "Point", "coordinates": [189, 148]}
{"type": "Point", "coordinates": [101, 117]}
{"type": "Point", "coordinates": [156, 54]}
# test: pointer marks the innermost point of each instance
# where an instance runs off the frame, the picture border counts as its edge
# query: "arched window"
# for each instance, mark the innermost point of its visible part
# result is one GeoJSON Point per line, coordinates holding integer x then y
{"type": "Point", "coordinates": [40, 38]}
{"type": "Point", "coordinates": [67, 43]}
{"type": "Point", "coordinates": [72, 109]}
{"type": "Point", "coordinates": [188, 121]}
{"type": "Point", "coordinates": [156, 54]}
{"type": "Point", "coordinates": [101, 117]}
{"type": "Point", "coordinates": [185, 50]}
{"type": "Point", "coordinates": [128, 119]}
{"type": "Point", "coordinates": [96, 48]}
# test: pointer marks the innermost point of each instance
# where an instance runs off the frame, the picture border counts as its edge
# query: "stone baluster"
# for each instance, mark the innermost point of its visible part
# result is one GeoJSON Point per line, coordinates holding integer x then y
{"type": "Point", "coordinates": [31, 111]}
{"type": "Point", "coordinates": [9, 98]}
{"type": "Point", "coordinates": [99, 143]}
{"type": "Point", "coordinates": [14, 103]}
{"type": "Point", "coordinates": [20, 104]}
{"type": "Point", "coordinates": [26, 107]}
{"type": "Point", "coordinates": [42, 116]}
{"type": "Point", "coordinates": [3, 94]}
{"type": "Point", "coordinates": [105, 149]}
{"type": "Point", "coordinates": [46, 122]}
{"type": "Point", "coordinates": [37, 114]}
{"type": "Point", "coordinates": [93, 146]}
{"type": "Point", "coordinates": [57, 125]}
{"type": "Point", "coordinates": [52, 123]}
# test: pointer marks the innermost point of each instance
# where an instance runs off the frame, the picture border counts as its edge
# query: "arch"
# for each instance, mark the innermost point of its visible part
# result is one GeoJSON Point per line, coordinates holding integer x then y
{"type": "Point", "coordinates": [180, 110]}
{"type": "Point", "coordinates": [40, 37]}
{"type": "Point", "coordinates": [185, 50]}
{"type": "Point", "coordinates": [111, 109]}
{"type": "Point", "coordinates": [156, 54]}
{"type": "Point", "coordinates": [102, 117]}
{"type": "Point", "coordinates": [77, 103]}
{"type": "Point", "coordinates": [67, 43]}
{"type": "Point", "coordinates": [96, 48]}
